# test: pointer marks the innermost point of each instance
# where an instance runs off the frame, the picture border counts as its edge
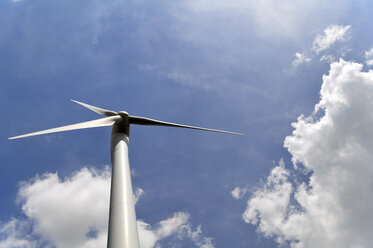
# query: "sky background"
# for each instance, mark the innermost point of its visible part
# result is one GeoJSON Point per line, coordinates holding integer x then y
{"type": "Point", "coordinates": [292, 75]}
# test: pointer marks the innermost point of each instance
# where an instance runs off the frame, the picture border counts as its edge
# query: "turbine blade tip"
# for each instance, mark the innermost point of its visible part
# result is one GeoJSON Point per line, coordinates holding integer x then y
{"type": "Point", "coordinates": [241, 134]}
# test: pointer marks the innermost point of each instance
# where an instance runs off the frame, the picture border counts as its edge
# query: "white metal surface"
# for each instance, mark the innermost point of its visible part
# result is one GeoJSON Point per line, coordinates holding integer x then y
{"type": "Point", "coordinates": [98, 110]}
{"type": "Point", "coordinates": [122, 218]}
{"type": "Point", "coordinates": [103, 122]}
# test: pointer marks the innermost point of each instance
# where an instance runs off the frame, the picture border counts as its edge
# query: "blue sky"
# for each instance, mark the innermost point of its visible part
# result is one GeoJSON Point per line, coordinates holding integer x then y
{"type": "Point", "coordinates": [251, 67]}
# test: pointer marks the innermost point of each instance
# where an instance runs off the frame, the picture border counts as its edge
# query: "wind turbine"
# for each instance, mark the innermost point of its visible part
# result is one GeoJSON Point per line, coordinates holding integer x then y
{"type": "Point", "coordinates": [122, 231]}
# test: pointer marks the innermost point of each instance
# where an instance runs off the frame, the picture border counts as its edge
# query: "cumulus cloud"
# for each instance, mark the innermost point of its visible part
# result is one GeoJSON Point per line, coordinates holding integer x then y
{"type": "Point", "coordinates": [332, 34]}
{"type": "Point", "coordinates": [73, 212]}
{"type": "Point", "coordinates": [300, 58]}
{"type": "Point", "coordinates": [333, 208]}
{"type": "Point", "coordinates": [269, 206]}
{"type": "Point", "coordinates": [369, 57]}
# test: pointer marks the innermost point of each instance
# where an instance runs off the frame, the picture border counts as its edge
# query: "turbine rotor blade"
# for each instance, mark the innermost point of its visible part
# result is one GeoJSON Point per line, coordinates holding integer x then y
{"type": "Point", "coordinates": [98, 110]}
{"type": "Point", "coordinates": [107, 121]}
{"type": "Point", "coordinates": [150, 122]}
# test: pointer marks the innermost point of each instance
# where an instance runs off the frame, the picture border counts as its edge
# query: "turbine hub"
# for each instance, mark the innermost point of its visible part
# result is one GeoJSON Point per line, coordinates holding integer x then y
{"type": "Point", "coordinates": [122, 126]}
{"type": "Point", "coordinates": [124, 114]}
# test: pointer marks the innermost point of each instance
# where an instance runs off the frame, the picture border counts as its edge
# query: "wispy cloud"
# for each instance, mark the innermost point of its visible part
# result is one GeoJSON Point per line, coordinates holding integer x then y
{"type": "Point", "coordinates": [73, 212]}
{"type": "Point", "coordinates": [331, 34]}
{"type": "Point", "coordinates": [269, 16]}
{"type": "Point", "coordinates": [178, 225]}
{"type": "Point", "coordinates": [333, 209]}
{"type": "Point", "coordinates": [238, 192]}
{"type": "Point", "coordinates": [369, 57]}
{"type": "Point", "coordinates": [300, 58]}
{"type": "Point", "coordinates": [138, 193]}
{"type": "Point", "coordinates": [12, 234]}
{"type": "Point", "coordinates": [327, 58]}
{"type": "Point", "coordinates": [322, 42]}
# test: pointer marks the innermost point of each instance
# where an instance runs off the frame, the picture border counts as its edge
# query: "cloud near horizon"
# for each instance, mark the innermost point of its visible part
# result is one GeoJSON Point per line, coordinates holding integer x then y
{"type": "Point", "coordinates": [334, 208]}
{"type": "Point", "coordinates": [73, 212]}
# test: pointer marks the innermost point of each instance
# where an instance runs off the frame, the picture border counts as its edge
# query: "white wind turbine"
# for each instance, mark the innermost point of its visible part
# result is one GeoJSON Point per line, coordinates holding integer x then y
{"type": "Point", "coordinates": [122, 231]}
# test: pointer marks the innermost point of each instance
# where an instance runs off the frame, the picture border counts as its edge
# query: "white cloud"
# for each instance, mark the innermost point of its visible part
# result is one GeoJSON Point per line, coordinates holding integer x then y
{"type": "Point", "coordinates": [164, 229]}
{"type": "Point", "coordinates": [238, 192]}
{"type": "Point", "coordinates": [327, 58]}
{"type": "Point", "coordinates": [64, 212]}
{"type": "Point", "coordinates": [138, 193]}
{"type": "Point", "coordinates": [197, 238]}
{"type": "Point", "coordinates": [300, 58]}
{"type": "Point", "coordinates": [321, 42]}
{"type": "Point", "coordinates": [369, 57]}
{"type": "Point", "coordinates": [73, 212]}
{"type": "Point", "coordinates": [334, 208]}
{"type": "Point", "coordinates": [179, 225]}
{"type": "Point", "coordinates": [269, 206]}
{"type": "Point", "coordinates": [12, 235]}
{"type": "Point", "coordinates": [332, 34]}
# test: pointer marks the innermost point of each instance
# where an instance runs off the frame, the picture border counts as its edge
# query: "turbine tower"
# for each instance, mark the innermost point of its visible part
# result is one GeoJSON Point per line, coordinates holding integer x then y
{"type": "Point", "coordinates": [122, 231]}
